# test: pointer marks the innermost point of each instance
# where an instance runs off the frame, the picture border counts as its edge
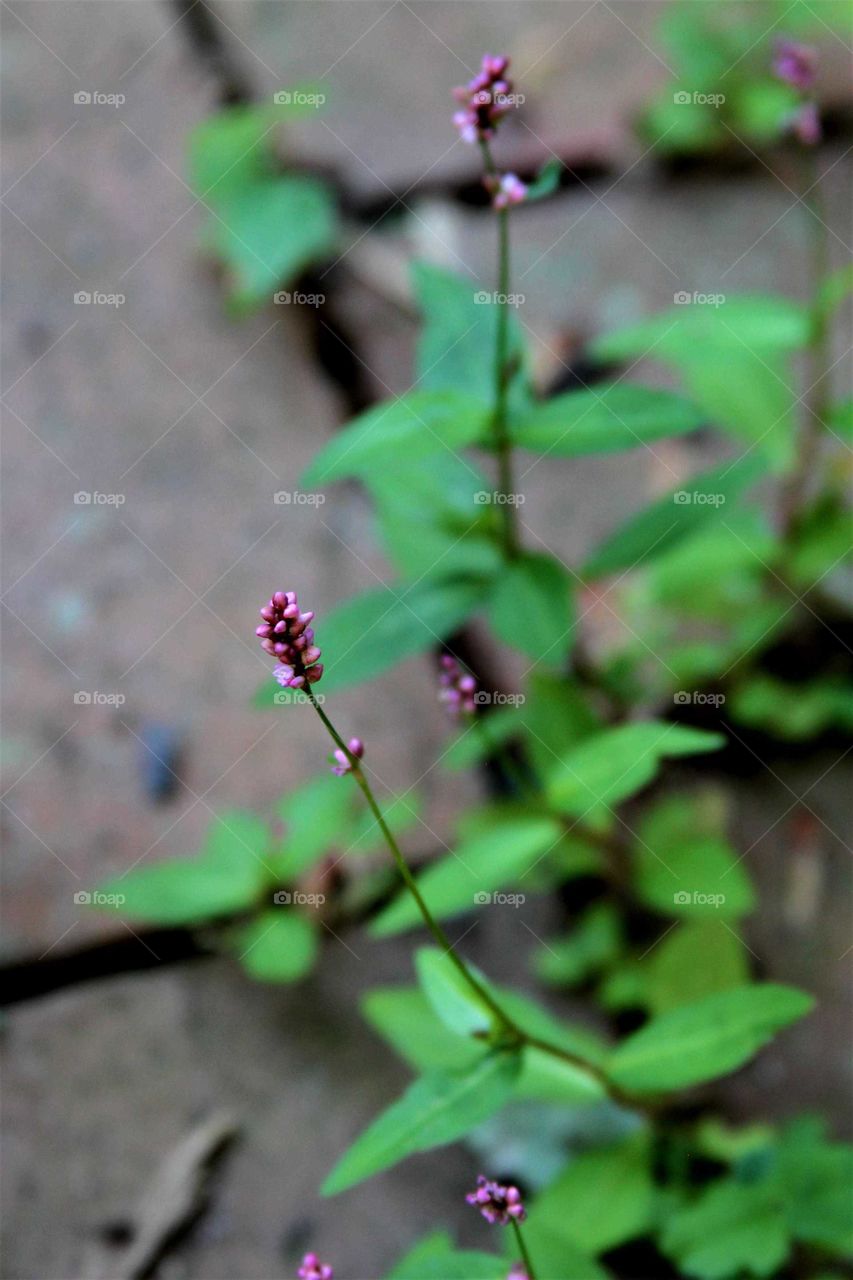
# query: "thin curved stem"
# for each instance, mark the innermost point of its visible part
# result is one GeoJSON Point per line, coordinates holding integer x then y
{"type": "Point", "coordinates": [522, 1249]}
{"type": "Point", "coordinates": [500, 425]}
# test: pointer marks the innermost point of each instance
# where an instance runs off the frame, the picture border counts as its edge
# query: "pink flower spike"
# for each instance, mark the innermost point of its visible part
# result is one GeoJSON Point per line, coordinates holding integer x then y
{"type": "Point", "coordinates": [796, 63]}
{"type": "Point", "coordinates": [313, 1269]}
{"type": "Point", "coordinates": [511, 190]}
{"type": "Point", "coordinates": [496, 1202]}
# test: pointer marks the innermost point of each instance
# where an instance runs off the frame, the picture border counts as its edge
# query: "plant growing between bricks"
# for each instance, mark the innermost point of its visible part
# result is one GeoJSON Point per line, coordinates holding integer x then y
{"type": "Point", "coordinates": [715, 1201]}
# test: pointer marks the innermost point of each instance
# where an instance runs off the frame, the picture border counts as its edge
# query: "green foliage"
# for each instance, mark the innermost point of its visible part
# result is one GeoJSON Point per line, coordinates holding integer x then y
{"type": "Point", "coordinates": [546, 182]}
{"type": "Point", "coordinates": [706, 1039]}
{"type": "Point", "coordinates": [684, 867]}
{"type": "Point", "coordinates": [794, 712]}
{"type": "Point", "coordinates": [435, 1258]}
{"type": "Point", "coordinates": [437, 1109]}
{"type": "Point", "coordinates": [265, 226]}
{"type": "Point", "coordinates": [451, 995]}
{"type": "Point", "coordinates": [693, 960]}
{"type": "Point", "coordinates": [733, 1228]}
{"type": "Point", "coordinates": [280, 945]}
{"type": "Point", "coordinates": [604, 1198]}
{"type": "Point", "coordinates": [534, 588]}
{"type": "Point", "coordinates": [227, 876]}
{"type": "Point", "coordinates": [418, 425]}
{"type": "Point", "coordinates": [667, 522]}
{"type": "Point", "coordinates": [482, 864]}
{"type": "Point", "coordinates": [594, 944]}
{"type": "Point", "coordinates": [372, 632]}
{"type": "Point", "coordinates": [616, 763]}
{"type": "Point", "coordinates": [603, 421]}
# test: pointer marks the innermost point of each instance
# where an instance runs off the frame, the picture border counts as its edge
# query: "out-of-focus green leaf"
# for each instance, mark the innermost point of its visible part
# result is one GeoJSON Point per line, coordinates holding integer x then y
{"type": "Point", "coordinates": [407, 1021]}
{"type": "Point", "coordinates": [415, 426]}
{"type": "Point", "coordinates": [480, 737]}
{"type": "Point", "coordinates": [227, 877]}
{"type": "Point", "coordinates": [694, 960]}
{"type": "Point", "coordinates": [318, 816]}
{"type": "Point", "coordinates": [234, 147]}
{"type": "Point", "coordinates": [475, 870]}
{"type": "Point", "coordinates": [616, 763]}
{"type": "Point", "coordinates": [556, 716]}
{"type": "Point", "coordinates": [451, 995]}
{"type": "Point", "coordinates": [434, 1110]}
{"type": "Point", "coordinates": [663, 524]}
{"type": "Point", "coordinates": [436, 1259]}
{"type": "Point", "coordinates": [706, 1039]}
{"type": "Point", "coordinates": [683, 867]}
{"type": "Point", "coordinates": [370, 633]}
{"type": "Point", "coordinates": [748, 393]}
{"type": "Point", "coordinates": [794, 712]}
{"type": "Point", "coordinates": [270, 230]}
{"type": "Point", "coordinates": [460, 319]}
{"type": "Point", "coordinates": [731, 1230]}
{"type": "Point", "coordinates": [765, 324]}
{"type": "Point", "coordinates": [594, 944]}
{"type": "Point", "coordinates": [603, 1199]}
{"type": "Point", "coordinates": [531, 608]}
{"type": "Point", "coordinates": [280, 945]}
{"type": "Point", "coordinates": [546, 182]}
{"type": "Point", "coordinates": [604, 421]}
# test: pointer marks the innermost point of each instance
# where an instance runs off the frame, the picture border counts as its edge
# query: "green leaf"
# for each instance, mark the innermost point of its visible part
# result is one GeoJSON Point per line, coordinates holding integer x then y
{"type": "Point", "coordinates": [682, 867]}
{"type": "Point", "coordinates": [734, 1228]}
{"type": "Point", "coordinates": [706, 1039]}
{"type": "Point", "coordinates": [557, 715]}
{"type": "Point", "coordinates": [235, 147]}
{"type": "Point", "coordinates": [474, 871]}
{"type": "Point", "coordinates": [433, 518]}
{"type": "Point", "coordinates": [765, 324]}
{"type": "Point", "coordinates": [834, 289]}
{"type": "Point", "coordinates": [481, 737]}
{"type": "Point", "coordinates": [546, 182]}
{"type": "Point", "coordinates": [408, 1022]}
{"type": "Point", "coordinates": [614, 418]}
{"type": "Point", "coordinates": [435, 1110]}
{"type": "Point", "coordinates": [451, 995]}
{"type": "Point", "coordinates": [530, 607]}
{"type": "Point", "coordinates": [318, 817]}
{"type": "Point", "coordinates": [226, 878]}
{"type": "Point", "coordinates": [458, 328]}
{"type": "Point", "coordinates": [280, 945]}
{"type": "Point", "coordinates": [794, 712]}
{"type": "Point", "coordinates": [413, 427]}
{"type": "Point", "coordinates": [667, 522]}
{"type": "Point", "coordinates": [816, 1177]}
{"type": "Point", "coordinates": [747, 393]}
{"type": "Point", "coordinates": [549, 1078]}
{"type": "Point", "coordinates": [614, 764]}
{"type": "Point", "coordinates": [269, 231]}
{"type": "Point", "coordinates": [693, 961]}
{"type": "Point", "coordinates": [595, 943]}
{"type": "Point", "coordinates": [370, 633]}
{"type": "Point", "coordinates": [604, 1198]}
{"type": "Point", "coordinates": [435, 1258]}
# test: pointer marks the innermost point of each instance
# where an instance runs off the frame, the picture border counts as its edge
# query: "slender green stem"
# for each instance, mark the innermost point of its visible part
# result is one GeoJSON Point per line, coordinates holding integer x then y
{"type": "Point", "coordinates": [522, 1248]}
{"type": "Point", "coordinates": [500, 425]}
{"type": "Point", "coordinates": [796, 491]}
{"type": "Point", "coordinates": [511, 1032]}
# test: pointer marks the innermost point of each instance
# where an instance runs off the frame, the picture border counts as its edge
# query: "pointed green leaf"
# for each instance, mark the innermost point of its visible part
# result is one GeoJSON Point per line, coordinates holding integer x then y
{"type": "Point", "coordinates": [435, 1110]}
{"type": "Point", "coordinates": [709, 1038]}
{"type": "Point", "coordinates": [530, 607]}
{"type": "Point", "coordinates": [413, 428]}
{"type": "Point", "coordinates": [451, 995]}
{"type": "Point", "coordinates": [604, 421]}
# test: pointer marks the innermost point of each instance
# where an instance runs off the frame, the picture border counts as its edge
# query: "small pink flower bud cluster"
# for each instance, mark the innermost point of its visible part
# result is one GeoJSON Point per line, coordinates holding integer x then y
{"type": "Point", "coordinates": [484, 100]}
{"type": "Point", "coordinates": [285, 634]}
{"type": "Point", "coordinates": [313, 1269]}
{"type": "Point", "coordinates": [497, 1203]}
{"type": "Point", "coordinates": [517, 1271]}
{"type": "Point", "coordinates": [796, 64]}
{"type": "Point", "coordinates": [457, 687]}
{"type": "Point", "coordinates": [355, 746]}
{"type": "Point", "coordinates": [506, 190]}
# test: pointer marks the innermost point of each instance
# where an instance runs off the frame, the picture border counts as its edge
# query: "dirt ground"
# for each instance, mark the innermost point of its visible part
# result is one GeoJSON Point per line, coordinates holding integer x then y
{"type": "Point", "coordinates": [194, 420]}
